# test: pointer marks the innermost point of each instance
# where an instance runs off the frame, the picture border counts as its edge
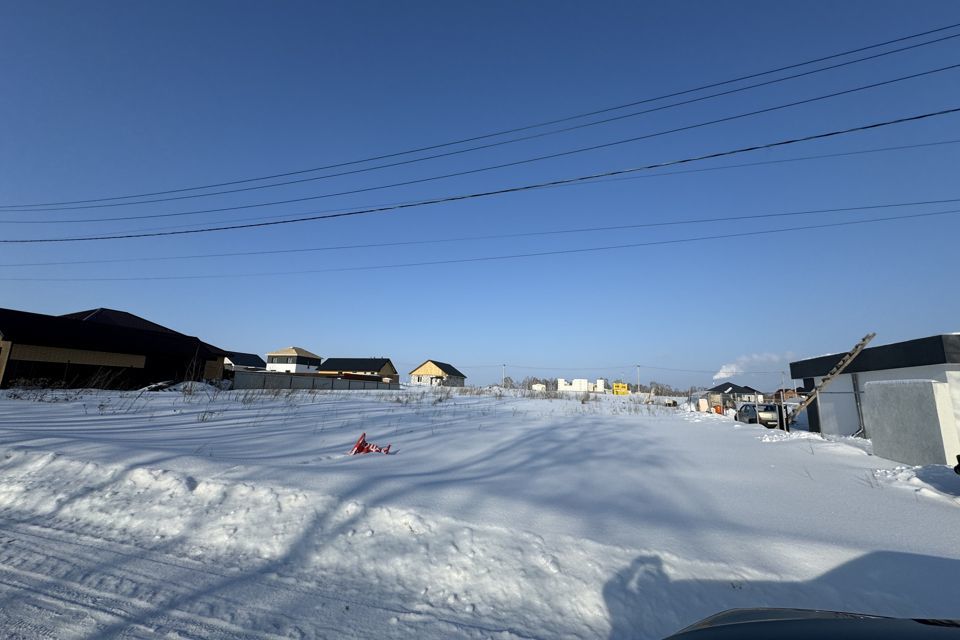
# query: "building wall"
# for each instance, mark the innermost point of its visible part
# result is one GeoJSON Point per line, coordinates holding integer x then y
{"type": "Point", "coordinates": [837, 405]}
{"type": "Point", "coordinates": [264, 380]}
{"type": "Point", "coordinates": [291, 367]}
{"type": "Point", "coordinates": [911, 421]}
{"type": "Point", "coordinates": [76, 356]}
{"type": "Point", "coordinates": [427, 369]}
{"type": "Point", "coordinates": [5, 346]}
{"type": "Point", "coordinates": [577, 385]}
{"type": "Point", "coordinates": [386, 372]}
{"type": "Point", "coordinates": [213, 369]}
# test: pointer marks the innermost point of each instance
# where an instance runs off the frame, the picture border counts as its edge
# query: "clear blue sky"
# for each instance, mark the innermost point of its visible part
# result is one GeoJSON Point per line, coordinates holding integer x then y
{"type": "Point", "coordinates": [103, 99]}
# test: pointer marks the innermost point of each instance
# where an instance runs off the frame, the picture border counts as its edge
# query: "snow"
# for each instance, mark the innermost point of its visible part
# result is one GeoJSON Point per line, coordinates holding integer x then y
{"type": "Point", "coordinates": [208, 513]}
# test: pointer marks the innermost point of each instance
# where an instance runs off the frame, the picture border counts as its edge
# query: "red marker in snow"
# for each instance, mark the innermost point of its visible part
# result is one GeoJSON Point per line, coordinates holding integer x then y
{"type": "Point", "coordinates": [363, 446]}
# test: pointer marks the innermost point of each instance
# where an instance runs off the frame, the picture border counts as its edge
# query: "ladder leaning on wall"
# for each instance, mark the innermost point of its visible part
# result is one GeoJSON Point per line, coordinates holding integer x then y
{"type": "Point", "coordinates": [833, 373]}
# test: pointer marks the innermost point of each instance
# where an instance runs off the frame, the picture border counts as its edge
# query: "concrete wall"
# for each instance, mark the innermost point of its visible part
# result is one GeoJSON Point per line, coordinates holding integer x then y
{"type": "Point", "coordinates": [837, 405]}
{"type": "Point", "coordinates": [290, 368]}
{"type": "Point", "coordinates": [578, 385]}
{"type": "Point", "coordinates": [911, 421]}
{"type": "Point", "coordinates": [264, 380]}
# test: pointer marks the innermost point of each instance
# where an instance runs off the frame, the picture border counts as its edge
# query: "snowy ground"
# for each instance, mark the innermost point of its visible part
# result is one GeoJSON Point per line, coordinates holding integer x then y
{"type": "Point", "coordinates": [238, 514]}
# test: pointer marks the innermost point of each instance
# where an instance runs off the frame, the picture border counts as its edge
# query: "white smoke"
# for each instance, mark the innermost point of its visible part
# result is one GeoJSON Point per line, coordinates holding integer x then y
{"type": "Point", "coordinates": [752, 363]}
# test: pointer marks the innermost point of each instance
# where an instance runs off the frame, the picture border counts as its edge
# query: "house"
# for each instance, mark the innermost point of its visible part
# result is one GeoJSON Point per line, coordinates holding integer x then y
{"type": "Point", "coordinates": [787, 394]}
{"type": "Point", "coordinates": [293, 360]}
{"type": "Point", "coordinates": [841, 409]}
{"type": "Point", "coordinates": [582, 385]}
{"type": "Point", "coordinates": [236, 360]}
{"type": "Point", "coordinates": [729, 395]}
{"type": "Point", "coordinates": [100, 348]}
{"type": "Point", "coordinates": [437, 374]}
{"type": "Point", "coordinates": [538, 387]}
{"type": "Point", "coordinates": [360, 367]}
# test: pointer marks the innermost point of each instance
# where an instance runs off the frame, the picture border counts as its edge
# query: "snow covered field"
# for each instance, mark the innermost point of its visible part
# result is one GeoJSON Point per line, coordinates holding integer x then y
{"type": "Point", "coordinates": [238, 514]}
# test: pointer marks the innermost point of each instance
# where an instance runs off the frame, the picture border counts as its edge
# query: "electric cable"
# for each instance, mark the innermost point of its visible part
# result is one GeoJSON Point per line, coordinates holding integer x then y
{"type": "Point", "coordinates": [38, 208]}
{"type": "Point", "coordinates": [484, 194]}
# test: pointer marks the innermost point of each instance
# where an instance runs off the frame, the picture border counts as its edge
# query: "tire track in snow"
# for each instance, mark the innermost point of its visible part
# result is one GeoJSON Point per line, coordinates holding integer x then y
{"type": "Point", "coordinates": [84, 586]}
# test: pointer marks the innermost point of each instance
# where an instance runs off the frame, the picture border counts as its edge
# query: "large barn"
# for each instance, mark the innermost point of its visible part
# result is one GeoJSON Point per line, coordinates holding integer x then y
{"type": "Point", "coordinates": [100, 348]}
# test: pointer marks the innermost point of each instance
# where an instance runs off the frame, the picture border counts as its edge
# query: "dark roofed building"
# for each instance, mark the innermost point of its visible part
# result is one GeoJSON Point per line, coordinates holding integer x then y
{"type": "Point", "coordinates": [117, 319]}
{"type": "Point", "coordinates": [244, 361]}
{"type": "Point", "coordinates": [436, 373]}
{"type": "Point", "coordinates": [838, 409]}
{"type": "Point", "coordinates": [367, 367]}
{"type": "Point", "coordinates": [733, 389]}
{"type": "Point", "coordinates": [92, 351]}
{"type": "Point", "coordinates": [728, 394]}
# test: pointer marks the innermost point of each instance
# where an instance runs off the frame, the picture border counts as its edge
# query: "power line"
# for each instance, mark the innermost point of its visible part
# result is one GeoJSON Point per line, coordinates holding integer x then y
{"type": "Point", "coordinates": [483, 194]}
{"type": "Point", "coordinates": [38, 208]}
{"type": "Point", "coordinates": [524, 161]}
{"type": "Point", "coordinates": [822, 156]}
{"type": "Point", "coordinates": [632, 245]}
{"type": "Point", "coordinates": [614, 367]}
{"type": "Point", "coordinates": [499, 236]}
{"type": "Point", "coordinates": [603, 181]}
{"type": "Point", "coordinates": [505, 131]}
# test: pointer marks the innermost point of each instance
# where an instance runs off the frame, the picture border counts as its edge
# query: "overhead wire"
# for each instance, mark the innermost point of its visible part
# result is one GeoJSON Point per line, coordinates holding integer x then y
{"type": "Point", "coordinates": [536, 254]}
{"type": "Point", "coordinates": [504, 131]}
{"type": "Point", "coordinates": [39, 208]}
{"type": "Point", "coordinates": [602, 181]}
{"type": "Point", "coordinates": [525, 161]}
{"type": "Point", "coordinates": [484, 194]}
{"type": "Point", "coordinates": [499, 236]}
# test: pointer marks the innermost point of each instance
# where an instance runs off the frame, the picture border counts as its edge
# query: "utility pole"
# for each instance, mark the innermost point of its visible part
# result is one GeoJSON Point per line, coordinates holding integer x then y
{"type": "Point", "coordinates": [638, 378]}
{"type": "Point", "coordinates": [503, 376]}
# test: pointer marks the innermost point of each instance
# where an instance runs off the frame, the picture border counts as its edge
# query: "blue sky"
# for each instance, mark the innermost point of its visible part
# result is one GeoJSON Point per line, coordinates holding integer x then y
{"type": "Point", "coordinates": [104, 99]}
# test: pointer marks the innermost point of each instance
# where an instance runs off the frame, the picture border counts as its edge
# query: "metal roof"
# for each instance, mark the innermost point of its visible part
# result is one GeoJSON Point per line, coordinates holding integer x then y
{"type": "Point", "coordinates": [39, 329]}
{"type": "Point", "coordinates": [240, 359]}
{"type": "Point", "coordinates": [294, 351]}
{"type": "Point", "coordinates": [940, 349]}
{"type": "Point", "coordinates": [355, 364]}
{"type": "Point", "coordinates": [448, 369]}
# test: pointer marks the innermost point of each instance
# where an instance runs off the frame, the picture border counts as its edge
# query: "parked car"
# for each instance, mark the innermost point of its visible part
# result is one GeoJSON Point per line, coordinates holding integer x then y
{"type": "Point", "coordinates": [768, 415]}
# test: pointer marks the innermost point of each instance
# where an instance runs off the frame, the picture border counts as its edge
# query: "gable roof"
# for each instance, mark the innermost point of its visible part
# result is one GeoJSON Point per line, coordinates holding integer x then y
{"type": "Point", "coordinates": [730, 387]}
{"type": "Point", "coordinates": [117, 318]}
{"type": "Point", "coordinates": [294, 351]}
{"type": "Point", "coordinates": [355, 364]}
{"type": "Point", "coordinates": [448, 369]}
{"type": "Point", "coordinates": [246, 359]}
{"type": "Point", "coordinates": [57, 331]}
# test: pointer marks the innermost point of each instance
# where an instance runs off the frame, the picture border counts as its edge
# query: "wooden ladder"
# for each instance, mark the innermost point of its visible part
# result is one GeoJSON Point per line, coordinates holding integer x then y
{"type": "Point", "coordinates": [833, 373]}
